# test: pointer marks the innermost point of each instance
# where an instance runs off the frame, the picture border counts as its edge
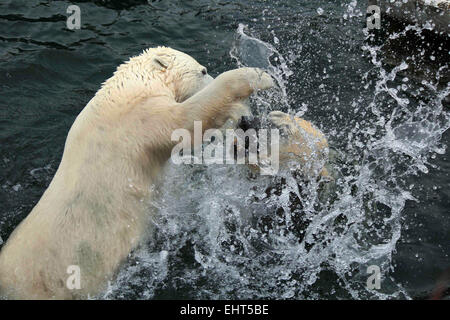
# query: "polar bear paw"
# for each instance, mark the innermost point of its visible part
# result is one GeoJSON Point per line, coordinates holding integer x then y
{"type": "Point", "coordinates": [241, 83]}
{"type": "Point", "coordinates": [259, 79]}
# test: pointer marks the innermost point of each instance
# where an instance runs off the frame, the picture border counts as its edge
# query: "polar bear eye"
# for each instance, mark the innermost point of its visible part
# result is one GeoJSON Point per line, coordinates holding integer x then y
{"type": "Point", "coordinates": [204, 71]}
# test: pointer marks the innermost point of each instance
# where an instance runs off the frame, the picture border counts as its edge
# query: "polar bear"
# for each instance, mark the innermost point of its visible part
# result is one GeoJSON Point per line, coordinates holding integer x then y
{"type": "Point", "coordinates": [303, 145]}
{"type": "Point", "coordinates": [303, 148]}
{"type": "Point", "coordinates": [93, 213]}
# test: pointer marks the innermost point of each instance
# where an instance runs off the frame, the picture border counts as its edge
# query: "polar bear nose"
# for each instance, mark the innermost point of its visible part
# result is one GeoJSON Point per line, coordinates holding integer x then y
{"type": "Point", "coordinates": [204, 71]}
{"type": "Point", "coordinates": [251, 122]}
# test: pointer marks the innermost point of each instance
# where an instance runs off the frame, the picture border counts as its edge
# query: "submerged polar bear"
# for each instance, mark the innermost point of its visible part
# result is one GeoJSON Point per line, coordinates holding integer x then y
{"type": "Point", "coordinates": [93, 214]}
{"type": "Point", "coordinates": [303, 148]}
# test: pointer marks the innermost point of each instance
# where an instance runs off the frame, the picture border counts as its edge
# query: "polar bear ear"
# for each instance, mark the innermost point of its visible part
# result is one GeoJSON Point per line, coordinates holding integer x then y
{"type": "Point", "coordinates": [161, 61]}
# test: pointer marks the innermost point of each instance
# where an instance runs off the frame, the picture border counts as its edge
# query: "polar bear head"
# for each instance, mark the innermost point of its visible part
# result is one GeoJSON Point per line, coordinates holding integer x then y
{"type": "Point", "coordinates": [184, 73]}
{"type": "Point", "coordinates": [302, 147]}
{"type": "Point", "coordinates": [160, 70]}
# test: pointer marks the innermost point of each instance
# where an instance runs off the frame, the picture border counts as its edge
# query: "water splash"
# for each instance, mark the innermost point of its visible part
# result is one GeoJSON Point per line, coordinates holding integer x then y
{"type": "Point", "coordinates": [249, 51]}
{"type": "Point", "coordinates": [222, 233]}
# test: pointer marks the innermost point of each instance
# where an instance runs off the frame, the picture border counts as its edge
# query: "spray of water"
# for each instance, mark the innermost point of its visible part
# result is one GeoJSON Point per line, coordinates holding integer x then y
{"type": "Point", "coordinates": [222, 232]}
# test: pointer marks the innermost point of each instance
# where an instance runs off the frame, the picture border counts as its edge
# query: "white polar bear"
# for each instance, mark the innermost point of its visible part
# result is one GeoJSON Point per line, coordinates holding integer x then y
{"type": "Point", "coordinates": [93, 214]}
{"type": "Point", "coordinates": [303, 148]}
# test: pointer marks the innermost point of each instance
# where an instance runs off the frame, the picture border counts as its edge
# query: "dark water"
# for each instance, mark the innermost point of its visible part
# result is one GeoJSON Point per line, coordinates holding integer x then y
{"type": "Point", "coordinates": [340, 80]}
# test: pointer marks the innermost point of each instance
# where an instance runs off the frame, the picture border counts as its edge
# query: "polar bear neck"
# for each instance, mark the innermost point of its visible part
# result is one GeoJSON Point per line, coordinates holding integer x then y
{"type": "Point", "coordinates": [133, 80]}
